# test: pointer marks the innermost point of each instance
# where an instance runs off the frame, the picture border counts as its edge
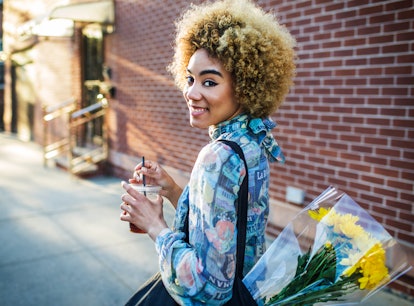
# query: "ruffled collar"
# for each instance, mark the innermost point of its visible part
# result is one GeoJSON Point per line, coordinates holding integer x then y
{"type": "Point", "coordinates": [260, 127]}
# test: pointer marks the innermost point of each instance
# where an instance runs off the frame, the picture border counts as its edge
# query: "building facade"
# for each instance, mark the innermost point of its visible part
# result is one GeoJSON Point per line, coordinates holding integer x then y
{"type": "Point", "coordinates": [348, 120]}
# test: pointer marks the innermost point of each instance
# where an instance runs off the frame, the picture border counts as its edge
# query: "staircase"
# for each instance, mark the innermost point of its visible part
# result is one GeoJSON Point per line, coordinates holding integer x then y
{"type": "Point", "coordinates": [80, 150]}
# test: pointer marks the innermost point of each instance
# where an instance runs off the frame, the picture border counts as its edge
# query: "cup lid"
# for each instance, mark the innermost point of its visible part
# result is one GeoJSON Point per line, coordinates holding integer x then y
{"type": "Point", "coordinates": [147, 188]}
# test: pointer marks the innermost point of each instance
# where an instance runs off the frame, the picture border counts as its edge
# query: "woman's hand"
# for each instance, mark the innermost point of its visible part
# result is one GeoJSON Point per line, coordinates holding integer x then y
{"type": "Point", "coordinates": [156, 175]}
{"type": "Point", "coordinates": [142, 212]}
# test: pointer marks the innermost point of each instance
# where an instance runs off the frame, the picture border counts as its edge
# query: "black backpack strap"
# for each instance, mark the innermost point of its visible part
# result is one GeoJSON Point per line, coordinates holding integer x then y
{"type": "Point", "coordinates": [242, 205]}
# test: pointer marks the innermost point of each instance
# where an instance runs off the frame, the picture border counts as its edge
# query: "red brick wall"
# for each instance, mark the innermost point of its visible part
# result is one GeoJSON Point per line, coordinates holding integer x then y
{"type": "Point", "coordinates": [348, 121]}
{"type": "Point", "coordinates": [148, 115]}
{"type": "Point", "coordinates": [349, 118]}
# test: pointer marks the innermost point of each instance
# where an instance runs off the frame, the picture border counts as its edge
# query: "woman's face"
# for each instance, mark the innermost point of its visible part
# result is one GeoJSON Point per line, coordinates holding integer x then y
{"type": "Point", "coordinates": [209, 91]}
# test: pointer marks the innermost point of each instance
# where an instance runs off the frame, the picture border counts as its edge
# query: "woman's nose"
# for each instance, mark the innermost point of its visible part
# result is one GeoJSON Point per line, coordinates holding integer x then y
{"type": "Point", "coordinates": [193, 92]}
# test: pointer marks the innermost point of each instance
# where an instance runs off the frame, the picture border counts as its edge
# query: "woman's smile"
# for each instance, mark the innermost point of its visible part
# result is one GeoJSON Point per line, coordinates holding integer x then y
{"type": "Point", "coordinates": [197, 111]}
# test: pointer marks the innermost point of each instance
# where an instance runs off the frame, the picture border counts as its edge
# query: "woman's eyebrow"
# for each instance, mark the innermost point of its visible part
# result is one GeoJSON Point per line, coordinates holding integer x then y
{"type": "Point", "coordinates": [208, 71]}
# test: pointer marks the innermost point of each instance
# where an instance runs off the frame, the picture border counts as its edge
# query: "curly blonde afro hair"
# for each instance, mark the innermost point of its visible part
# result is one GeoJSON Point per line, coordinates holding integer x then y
{"type": "Point", "coordinates": [250, 43]}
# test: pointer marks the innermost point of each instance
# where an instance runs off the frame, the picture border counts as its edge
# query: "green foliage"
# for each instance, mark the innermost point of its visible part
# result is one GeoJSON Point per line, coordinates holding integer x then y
{"type": "Point", "coordinates": [314, 281]}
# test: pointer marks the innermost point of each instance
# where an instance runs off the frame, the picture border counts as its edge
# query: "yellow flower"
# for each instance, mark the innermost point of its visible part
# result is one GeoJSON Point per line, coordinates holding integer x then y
{"type": "Point", "coordinates": [365, 255]}
{"type": "Point", "coordinates": [351, 270]}
{"type": "Point", "coordinates": [350, 230]}
{"type": "Point", "coordinates": [364, 242]}
{"type": "Point", "coordinates": [319, 213]}
{"type": "Point", "coordinates": [332, 219]}
{"type": "Point", "coordinates": [373, 267]}
{"type": "Point", "coordinates": [351, 261]}
{"type": "Point", "coordinates": [343, 222]}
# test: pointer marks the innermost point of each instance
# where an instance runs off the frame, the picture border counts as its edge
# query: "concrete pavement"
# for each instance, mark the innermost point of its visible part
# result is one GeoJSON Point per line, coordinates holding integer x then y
{"type": "Point", "coordinates": [61, 240]}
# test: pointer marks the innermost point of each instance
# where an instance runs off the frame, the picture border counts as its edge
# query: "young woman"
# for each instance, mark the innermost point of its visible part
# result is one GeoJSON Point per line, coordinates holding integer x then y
{"type": "Point", "coordinates": [234, 64]}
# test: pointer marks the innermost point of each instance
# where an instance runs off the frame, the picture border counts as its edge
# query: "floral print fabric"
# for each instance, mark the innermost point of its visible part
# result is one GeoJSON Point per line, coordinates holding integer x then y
{"type": "Point", "coordinates": [202, 271]}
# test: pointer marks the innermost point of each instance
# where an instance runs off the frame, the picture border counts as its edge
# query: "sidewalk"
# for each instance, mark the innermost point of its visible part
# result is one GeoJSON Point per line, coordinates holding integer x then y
{"type": "Point", "coordinates": [61, 240]}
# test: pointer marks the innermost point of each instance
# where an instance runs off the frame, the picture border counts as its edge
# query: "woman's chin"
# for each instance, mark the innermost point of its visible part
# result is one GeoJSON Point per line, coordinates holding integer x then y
{"type": "Point", "coordinates": [198, 126]}
{"type": "Point", "coordinates": [196, 123]}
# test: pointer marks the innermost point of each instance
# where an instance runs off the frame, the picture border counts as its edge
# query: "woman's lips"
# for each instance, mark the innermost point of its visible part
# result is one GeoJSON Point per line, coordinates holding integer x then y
{"type": "Point", "coordinates": [197, 111]}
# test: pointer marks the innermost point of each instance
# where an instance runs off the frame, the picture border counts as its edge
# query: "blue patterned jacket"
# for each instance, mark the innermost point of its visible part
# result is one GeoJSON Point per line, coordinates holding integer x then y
{"type": "Point", "coordinates": [202, 271]}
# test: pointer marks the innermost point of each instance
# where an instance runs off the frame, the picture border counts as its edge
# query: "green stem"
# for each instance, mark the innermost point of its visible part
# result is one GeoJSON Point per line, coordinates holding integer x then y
{"type": "Point", "coordinates": [314, 281]}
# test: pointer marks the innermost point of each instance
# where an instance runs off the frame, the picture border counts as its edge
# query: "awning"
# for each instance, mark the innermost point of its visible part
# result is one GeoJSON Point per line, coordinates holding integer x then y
{"type": "Point", "coordinates": [60, 21]}
{"type": "Point", "coordinates": [43, 26]}
{"type": "Point", "coordinates": [98, 11]}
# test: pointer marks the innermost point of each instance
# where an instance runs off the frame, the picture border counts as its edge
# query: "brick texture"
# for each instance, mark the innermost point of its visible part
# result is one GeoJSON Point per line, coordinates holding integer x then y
{"type": "Point", "coordinates": [349, 119]}
{"type": "Point", "coordinates": [351, 108]}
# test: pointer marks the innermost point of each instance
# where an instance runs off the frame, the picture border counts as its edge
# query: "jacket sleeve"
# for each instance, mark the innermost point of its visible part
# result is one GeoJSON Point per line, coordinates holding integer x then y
{"type": "Point", "coordinates": [202, 271]}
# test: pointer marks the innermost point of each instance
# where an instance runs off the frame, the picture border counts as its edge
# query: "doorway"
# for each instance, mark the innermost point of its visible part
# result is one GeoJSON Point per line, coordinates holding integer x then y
{"type": "Point", "coordinates": [92, 61]}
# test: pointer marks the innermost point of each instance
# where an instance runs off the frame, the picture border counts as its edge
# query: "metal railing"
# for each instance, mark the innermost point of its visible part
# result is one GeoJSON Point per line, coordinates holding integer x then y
{"type": "Point", "coordinates": [78, 158]}
{"type": "Point", "coordinates": [81, 159]}
{"type": "Point", "coordinates": [51, 147]}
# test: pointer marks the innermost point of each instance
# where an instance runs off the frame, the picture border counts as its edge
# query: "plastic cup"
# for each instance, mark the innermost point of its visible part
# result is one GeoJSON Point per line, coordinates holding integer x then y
{"type": "Point", "coordinates": [151, 192]}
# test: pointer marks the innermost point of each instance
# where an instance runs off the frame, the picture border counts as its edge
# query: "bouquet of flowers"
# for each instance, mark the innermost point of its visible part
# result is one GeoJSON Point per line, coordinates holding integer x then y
{"type": "Point", "coordinates": [332, 251]}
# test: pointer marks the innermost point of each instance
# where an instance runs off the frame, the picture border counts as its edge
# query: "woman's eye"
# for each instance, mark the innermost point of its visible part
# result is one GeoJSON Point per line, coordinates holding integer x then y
{"type": "Point", "coordinates": [190, 80]}
{"type": "Point", "coordinates": [206, 83]}
{"type": "Point", "coordinates": [209, 83]}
